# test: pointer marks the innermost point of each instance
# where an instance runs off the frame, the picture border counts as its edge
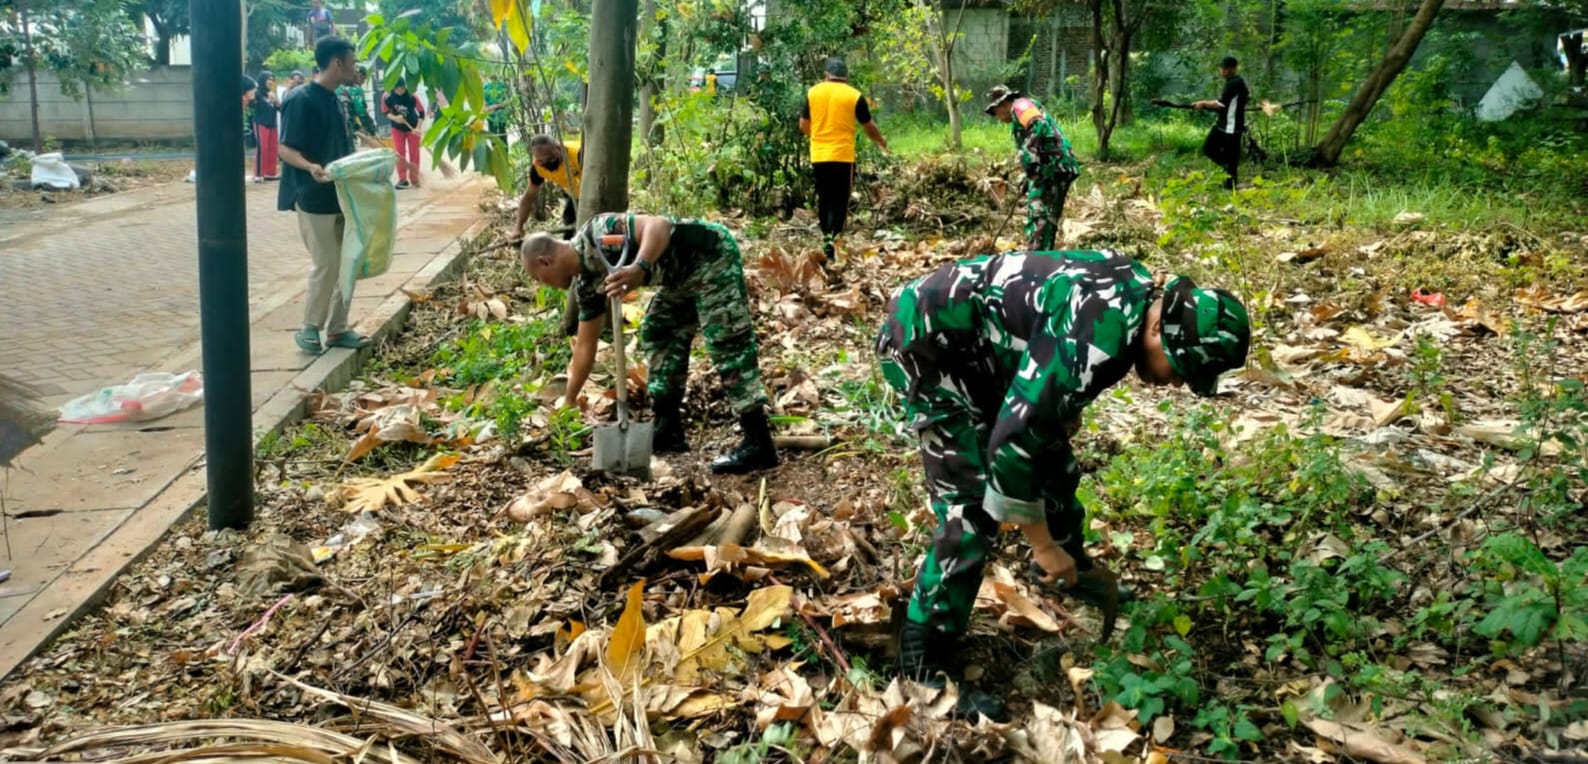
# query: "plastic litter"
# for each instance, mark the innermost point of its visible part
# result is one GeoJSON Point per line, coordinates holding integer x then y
{"type": "Point", "coordinates": [51, 171]}
{"type": "Point", "coordinates": [351, 534]}
{"type": "Point", "coordinates": [1436, 299]}
{"type": "Point", "coordinates": [363, 186]}
{"type": "Point", "coordinates": [146, 397]}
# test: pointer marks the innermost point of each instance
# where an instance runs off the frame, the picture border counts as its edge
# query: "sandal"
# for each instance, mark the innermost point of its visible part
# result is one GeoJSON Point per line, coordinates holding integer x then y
{"type": "Point", "coordinates": [308, 339]}
{"type": "Point", "coordinates": [348, 339]}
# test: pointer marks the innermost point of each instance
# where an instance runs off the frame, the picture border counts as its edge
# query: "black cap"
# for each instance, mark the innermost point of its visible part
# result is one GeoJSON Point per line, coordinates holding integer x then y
{"type": "Point", "coordinates": [835, 67]}
{"type": "Point", "coordinates": [1229, 62]}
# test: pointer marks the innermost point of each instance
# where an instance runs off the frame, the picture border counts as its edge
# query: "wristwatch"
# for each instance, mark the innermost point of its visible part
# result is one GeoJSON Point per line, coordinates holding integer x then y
{"type": "Point", "coordinates": [644, 266]}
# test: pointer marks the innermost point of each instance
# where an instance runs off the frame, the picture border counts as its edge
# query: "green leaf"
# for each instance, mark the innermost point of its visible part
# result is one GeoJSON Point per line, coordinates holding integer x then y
{"type": "Point", "coordinates": [1526, 615]}
{"type": "Point", "coordinates": [1246, 730]}
{"type": "Point", "coordinates": [1291, 714]}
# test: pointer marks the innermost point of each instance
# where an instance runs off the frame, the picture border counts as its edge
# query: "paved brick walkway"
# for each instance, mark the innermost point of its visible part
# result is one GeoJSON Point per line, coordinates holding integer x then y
{"type": "Point", "coordinates": [104, 288]}
{"type": "Point", "coordinates": [94, 293]}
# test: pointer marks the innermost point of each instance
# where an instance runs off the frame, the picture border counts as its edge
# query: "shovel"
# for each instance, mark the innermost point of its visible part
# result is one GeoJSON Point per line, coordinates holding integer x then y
{"type": "Point", "coordinates": [623, 448]}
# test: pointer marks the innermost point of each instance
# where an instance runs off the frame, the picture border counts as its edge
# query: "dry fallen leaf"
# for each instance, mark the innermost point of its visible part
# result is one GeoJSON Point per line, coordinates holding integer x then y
{"type": "Point", "coordinates": [628, 637]}
{"type": "Point", "coordinates": [1475, 315]}
{"type": "Point", "coordinates": [556, 492]}
{"type": "Point", "coordinates": [1048, 738]}
{"type": "Point", "coordinates": [1362, 742]}
{"type": "Point", "coordinates": [736, 560]}
{"type": "Point", "coordinates": [1365, 341]}
{"type": "Point", "coordinates": [1538, 297]}
{"type": "Point", "coordinates": [373, 494]}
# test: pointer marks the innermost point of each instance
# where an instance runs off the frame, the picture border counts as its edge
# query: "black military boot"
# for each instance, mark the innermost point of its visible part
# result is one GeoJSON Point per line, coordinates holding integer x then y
{"type": "Point", "coordinates": [668, 437]}
{"type": "Point", "coordinates": [756, 452]}
{"type": "Point", "coordinates": [920, 651]}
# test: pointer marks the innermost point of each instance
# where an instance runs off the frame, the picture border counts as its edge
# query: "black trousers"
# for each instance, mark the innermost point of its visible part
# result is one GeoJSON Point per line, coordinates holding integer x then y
{"type": "Point", "coordinates": [834, 181]}
{"type": "Point", "coordinates": [570, 213]}
{"type": "Point", "coordinates": [1225, 151]}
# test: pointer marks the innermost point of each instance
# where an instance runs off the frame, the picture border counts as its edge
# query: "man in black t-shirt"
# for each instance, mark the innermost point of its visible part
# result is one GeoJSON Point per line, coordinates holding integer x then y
{"type": "Point", "coordinates": [1223, 145]}
{"type": "Point", "coordinates": [314, 134]}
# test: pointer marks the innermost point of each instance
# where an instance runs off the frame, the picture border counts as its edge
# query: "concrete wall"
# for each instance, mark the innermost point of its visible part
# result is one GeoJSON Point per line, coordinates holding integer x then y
{"type": "Point", "coordinates": [156, 105]}
{"type": "Point", "coordinates": [983, 46]}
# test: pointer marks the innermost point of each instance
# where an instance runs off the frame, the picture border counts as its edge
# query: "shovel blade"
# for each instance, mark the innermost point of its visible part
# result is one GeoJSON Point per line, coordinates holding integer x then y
{"type": "Point", "coordinates": [623, 450]}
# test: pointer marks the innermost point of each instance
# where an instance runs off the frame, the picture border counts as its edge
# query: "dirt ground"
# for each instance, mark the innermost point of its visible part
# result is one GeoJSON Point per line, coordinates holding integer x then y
{"type": "Point", "coordinates": [414, 578]}
{"type": "Point", "coordinates": [110, 177]}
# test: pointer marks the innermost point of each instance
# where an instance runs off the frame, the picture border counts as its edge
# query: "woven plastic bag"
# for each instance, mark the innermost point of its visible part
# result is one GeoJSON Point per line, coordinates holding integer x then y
{"type": "Point", "coordinates": [369, 204]}
{"type": "Point", "coordinates": [147, 396]}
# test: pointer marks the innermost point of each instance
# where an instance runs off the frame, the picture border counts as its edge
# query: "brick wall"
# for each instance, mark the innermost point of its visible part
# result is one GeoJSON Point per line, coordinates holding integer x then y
{"type": "Point", "coordinates": [1059, 45]}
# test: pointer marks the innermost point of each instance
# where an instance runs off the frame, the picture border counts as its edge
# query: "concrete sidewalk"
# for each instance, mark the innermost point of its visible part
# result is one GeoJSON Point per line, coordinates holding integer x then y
{"type": "Point", "coordinates": [107, 289]}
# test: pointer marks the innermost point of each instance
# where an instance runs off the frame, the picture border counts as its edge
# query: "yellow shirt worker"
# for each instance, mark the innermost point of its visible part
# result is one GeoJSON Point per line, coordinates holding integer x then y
{"type": "Point", "coordinates": [559, 164]}
{"type": "Point", "coordinates": [833, 111]}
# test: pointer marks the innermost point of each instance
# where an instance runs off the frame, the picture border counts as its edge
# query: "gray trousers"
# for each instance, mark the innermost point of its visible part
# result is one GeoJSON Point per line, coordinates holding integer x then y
{"type": "Point", "coordinates": [324, 305]}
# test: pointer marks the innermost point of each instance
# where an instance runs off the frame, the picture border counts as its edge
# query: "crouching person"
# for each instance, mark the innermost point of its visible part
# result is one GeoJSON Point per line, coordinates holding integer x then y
{"type": "Point", "coordinates": [699, 279]}
{"type": "Point", "coordinates": [995, 358]}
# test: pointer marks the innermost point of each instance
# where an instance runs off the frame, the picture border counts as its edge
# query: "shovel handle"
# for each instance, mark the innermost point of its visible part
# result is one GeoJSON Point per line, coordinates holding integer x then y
{"type": "Point", "coordinates": [616, 310]}
{"type": "Point", "coordinates": [623, 374]}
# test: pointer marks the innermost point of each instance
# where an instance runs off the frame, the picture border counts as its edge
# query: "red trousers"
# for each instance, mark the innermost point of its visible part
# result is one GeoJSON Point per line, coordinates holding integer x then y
{"type": "Point", "coordinates": [406, 142]}
{"type": "Point", "coordinates": [266, 156]}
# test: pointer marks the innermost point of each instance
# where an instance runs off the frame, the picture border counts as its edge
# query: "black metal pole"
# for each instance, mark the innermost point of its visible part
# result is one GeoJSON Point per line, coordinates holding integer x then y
{"type": "Point", "coordinates": [223, 260]}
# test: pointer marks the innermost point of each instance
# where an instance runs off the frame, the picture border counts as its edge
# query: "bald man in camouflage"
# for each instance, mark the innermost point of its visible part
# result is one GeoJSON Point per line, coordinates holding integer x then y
{"type": "Point", "coordinates": [700, 285]}
{"type": "Point", "coordinates": [995, 358]}
{"type": "Point", "coordinates": [1045, 156]}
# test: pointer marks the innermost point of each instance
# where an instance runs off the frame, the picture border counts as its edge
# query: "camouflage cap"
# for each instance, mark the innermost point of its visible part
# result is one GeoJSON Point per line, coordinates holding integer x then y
{"type": "Point", "coordinates": [998, 95]}
{"type": "Point", "coordinates": [1206, 332]}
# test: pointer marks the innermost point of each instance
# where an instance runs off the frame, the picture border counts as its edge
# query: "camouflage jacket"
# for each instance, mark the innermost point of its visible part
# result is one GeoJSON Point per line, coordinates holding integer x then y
{"type": "Point", "coordinates": [600, 246]}
{"type": "Point", "coordinates": [1045, 153]}
{"type": "Point", "coordinates": [1034, 336]}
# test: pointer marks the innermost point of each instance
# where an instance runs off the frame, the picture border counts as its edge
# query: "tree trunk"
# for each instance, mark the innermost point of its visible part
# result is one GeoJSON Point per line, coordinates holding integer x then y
{"type": "Point", "coordinates": [162, 44]}
{"type": "Point", "coordinates": [1099, 79]}
{"type": "Point", "coordinates": [1576, 58]}
{"type": "Point", "coordinates": [1333, 143]}
{"type": "Point", "coordinates": [33, 78]}
{"type": "Point", "coordinates": [951, 100]}
{"type": "Point", "coordinates": [242, 5]}
{"type": "Point", "coordinates": [93, 130]}
{"type": "Point", "coordinates": [652, 86]}
{"type": "Point", "coordinates": [1119, 85]}
{"type": "Point", "coordinates": [946, 42]}
{"type": "Point", "coordinates": [609, 110]}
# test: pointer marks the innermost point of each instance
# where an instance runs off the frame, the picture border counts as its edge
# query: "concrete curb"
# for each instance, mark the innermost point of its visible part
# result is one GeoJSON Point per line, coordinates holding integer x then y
{"type": "Point", "coordinates": [334, 369]}
{"type": "Point", "coordinates": [83, 586]}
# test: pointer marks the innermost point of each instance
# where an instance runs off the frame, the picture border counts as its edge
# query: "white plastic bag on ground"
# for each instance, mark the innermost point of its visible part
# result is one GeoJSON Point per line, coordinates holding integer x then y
{"type": "Point", "coordinates": [52, 171]}
{"type": "Point", "coordinates": [146, 397]}
{"type": "Point", "coordinates": [369, 203]}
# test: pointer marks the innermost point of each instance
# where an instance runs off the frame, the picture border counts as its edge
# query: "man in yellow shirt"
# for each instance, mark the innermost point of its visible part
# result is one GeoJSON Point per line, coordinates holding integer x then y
{"type": "Point", "coordinates": [833, 111]}
{"type": "Point", "coordinates": [558, 163]}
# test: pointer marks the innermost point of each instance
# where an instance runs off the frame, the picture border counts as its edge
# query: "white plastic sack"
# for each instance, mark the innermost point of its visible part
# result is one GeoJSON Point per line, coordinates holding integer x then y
{"type": "Point", "coordinates": [146, 397]}
{"type": "Point", "coordinates": [52, 171]}
{"type": "Point", "coordinates": [369, 203]}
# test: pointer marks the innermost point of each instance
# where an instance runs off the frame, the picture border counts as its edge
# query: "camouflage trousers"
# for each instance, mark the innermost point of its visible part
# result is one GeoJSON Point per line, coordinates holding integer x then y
{"type": "Point", "coordinates": [1044, 209]}
{"type": "Point", "coordinates": [714, 299]}
{"type": "Point", "coordinates": [952, 400]}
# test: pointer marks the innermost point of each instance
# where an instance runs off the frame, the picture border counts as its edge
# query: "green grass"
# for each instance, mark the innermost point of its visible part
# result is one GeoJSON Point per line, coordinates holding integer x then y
{"type": "Point", "coordinates": [915, 138]}
{"type": "Point", "coordinates": [1387, 169]}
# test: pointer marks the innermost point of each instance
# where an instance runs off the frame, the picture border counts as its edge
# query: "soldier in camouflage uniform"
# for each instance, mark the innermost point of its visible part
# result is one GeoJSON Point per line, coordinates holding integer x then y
{"type": "Point", "coordinates": [700, 283]}
{"type": "Point", "coordinates": [995, 358]}
{"type": "Point", "coordinates": [1045, 155]}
